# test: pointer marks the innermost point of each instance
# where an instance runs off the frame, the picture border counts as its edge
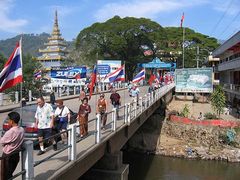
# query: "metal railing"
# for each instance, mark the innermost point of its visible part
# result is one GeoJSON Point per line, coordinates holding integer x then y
{"type": "Point", "coordinates": [233, 87]}
{"type": "Point", "coordinates": [128, 113]}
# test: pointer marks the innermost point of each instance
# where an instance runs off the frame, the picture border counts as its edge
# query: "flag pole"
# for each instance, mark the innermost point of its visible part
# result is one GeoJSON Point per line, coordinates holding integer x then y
{"type": "Point", "coordinates": [183, 46]}
{"type": "Point", "coordinates": [21, 84]}
{"type": "Point", "coordinates": [124, 70]}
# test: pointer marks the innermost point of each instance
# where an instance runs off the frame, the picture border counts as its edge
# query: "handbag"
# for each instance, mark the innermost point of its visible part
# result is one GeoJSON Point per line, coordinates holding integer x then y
{"type": "Point", "coordinates": [57, 118]}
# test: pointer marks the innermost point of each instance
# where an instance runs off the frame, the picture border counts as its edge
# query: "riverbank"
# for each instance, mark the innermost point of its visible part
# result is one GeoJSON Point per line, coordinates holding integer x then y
{"type": "Point", "coordinates": [162, 137]}
{"type": "Point", "coordinates": [194, 142]}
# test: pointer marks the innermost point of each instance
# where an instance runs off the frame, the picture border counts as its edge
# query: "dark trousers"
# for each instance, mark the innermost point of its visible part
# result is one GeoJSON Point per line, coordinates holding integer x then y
{"type": "Point", "coordinates": [8, 165]}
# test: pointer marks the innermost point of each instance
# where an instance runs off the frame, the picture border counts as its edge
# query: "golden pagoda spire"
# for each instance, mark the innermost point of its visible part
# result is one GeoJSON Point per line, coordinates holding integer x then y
{"type": "Point", "coordinates": [56, 30]}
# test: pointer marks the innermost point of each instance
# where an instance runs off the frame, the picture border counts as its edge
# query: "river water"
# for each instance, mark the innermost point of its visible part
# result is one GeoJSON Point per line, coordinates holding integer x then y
{"type": "Point", "coordinates": [155, 167]}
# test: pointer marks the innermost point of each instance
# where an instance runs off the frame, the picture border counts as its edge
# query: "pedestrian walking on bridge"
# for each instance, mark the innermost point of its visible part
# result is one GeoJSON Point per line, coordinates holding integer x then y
{"type": "Point", "coordinates": [102, 110]}
{"type": "Point", "coordinates": [83, 113]}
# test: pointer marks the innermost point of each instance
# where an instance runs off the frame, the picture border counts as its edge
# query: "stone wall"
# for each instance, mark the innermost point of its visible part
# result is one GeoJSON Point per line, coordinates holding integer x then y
{"type": "Point", "coordinates": [203, 136]}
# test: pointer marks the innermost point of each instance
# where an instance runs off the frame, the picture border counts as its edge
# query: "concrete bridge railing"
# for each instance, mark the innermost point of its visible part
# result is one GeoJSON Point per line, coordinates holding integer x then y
{"type": "Point", "coordinates": [77, 147]}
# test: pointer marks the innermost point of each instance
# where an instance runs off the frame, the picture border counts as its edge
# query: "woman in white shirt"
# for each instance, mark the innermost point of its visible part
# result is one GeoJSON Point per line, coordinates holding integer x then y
{"type": "Point", "coordinates": [62, 116]}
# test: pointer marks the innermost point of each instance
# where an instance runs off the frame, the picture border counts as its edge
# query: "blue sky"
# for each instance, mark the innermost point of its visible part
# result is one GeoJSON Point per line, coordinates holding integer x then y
{"type": "Point", "coordinates": [217, 18]}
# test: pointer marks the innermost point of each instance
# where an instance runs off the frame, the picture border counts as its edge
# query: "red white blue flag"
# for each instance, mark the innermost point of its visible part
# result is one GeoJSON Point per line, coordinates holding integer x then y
{"type": "Point", "coordinates": [182, 19]}
{"type": "Point", "coordinates": [12, 71]}
{"type": "Point", "coordinates": [118, 75]}
{"type": "Point", "coordinates": [38, 74]}
{"type": "Point", "coordinates": [140, 76]}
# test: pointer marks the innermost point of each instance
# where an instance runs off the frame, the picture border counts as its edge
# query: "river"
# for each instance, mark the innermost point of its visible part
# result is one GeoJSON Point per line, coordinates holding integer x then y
{"type": "Point", "coordinates": [154, 167]}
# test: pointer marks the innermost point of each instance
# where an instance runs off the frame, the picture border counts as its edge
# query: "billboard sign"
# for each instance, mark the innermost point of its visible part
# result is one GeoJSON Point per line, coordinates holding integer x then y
{"type": "Point", "coordinates": [197, 80]}
{"type": "Point", "coordinates": [69, 72]}
{"type": "Point", "coordinates": [103, 69]}
{"type": "Point", "coordinates": [107, 66]}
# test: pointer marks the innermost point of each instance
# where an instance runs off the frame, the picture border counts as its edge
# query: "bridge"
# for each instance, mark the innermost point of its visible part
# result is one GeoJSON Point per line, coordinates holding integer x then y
{"type": "Point", "coordinates": [100, 150]}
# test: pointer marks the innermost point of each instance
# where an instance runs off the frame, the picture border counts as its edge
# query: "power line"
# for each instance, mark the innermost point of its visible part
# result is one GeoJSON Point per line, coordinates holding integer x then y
{"type": "Point", "coordinates": [221, 18]}
{"type": "Point", "coordinates": [227, 27]}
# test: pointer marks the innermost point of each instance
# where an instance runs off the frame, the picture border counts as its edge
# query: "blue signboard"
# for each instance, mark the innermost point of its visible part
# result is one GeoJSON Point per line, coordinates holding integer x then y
{"type": "Point", "coordinates": [68, 72]}
{"type": "Point", "coordinates": [157, 64]}
{"type": "Point", "coordinates": [103, 69]}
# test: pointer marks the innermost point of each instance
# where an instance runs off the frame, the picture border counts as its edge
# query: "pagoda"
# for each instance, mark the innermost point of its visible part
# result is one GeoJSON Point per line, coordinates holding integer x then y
{"type": "Point", "coordinates": [55, 51]}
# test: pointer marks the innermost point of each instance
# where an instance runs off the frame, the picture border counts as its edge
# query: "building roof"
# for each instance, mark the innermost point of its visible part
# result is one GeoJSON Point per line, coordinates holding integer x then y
{"type": "Point", "coordinates": [232, 43]}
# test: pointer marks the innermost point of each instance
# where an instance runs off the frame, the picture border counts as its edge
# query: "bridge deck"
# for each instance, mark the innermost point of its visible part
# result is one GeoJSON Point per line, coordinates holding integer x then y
{"type": "Point", "coordinates": [87, 145]}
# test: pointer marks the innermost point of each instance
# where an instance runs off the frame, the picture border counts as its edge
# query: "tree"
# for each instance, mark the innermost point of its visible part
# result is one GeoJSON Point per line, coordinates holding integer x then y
{"type": "Point", "coordinates": [121, 38]}
{"type": "Point", "coordinates": [30, 65]}
{"type": "Point", "coordinates": [218, 100]}
{"type": "Point", "coordinates": [2, 61]}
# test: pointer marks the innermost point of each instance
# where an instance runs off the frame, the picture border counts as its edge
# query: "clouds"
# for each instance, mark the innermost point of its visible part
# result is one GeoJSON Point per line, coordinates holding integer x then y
{"type": "Point", "coordinates": [231, 7]}
{"type": "Point", "coordinates": [143, 8]}
{"type": "Point", "coordinates": [9, 24]}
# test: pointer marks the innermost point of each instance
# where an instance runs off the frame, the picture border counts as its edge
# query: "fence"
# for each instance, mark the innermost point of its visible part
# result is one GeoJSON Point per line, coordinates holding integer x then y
{"type": "Point", "coordinates": [126, 114]}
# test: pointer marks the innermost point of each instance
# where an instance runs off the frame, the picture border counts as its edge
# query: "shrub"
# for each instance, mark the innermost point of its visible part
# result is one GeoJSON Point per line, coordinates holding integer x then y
{"type": "Point", "coordinates": [210, 116]}
{"type": "Point", "coordinates": [185, 112]}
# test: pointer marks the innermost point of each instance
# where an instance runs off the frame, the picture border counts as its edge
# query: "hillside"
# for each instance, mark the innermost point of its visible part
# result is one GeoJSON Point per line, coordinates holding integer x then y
{"type": "Point", "coordinates": [31, 43]}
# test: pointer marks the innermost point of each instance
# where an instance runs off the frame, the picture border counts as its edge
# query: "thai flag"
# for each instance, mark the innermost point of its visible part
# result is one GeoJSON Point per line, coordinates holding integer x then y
{"type": "Point", "coordinates": [12, 71]}
{"type": "Point", "coordinates": [140, 76]}
{"type": "Point", "coordinates": [38, 74]}
{"type": "Point", "coordinates": [118, 75]}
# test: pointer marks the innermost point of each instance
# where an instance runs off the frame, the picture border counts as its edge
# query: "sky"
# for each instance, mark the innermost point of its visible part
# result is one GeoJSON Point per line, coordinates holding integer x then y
{"type": "Point", "coordinates": [216, 18]}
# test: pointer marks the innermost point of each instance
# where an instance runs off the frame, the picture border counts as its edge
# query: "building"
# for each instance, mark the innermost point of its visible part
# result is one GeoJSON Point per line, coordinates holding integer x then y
{"type": "Point", "coordinates": [213, 62]}
{"type": "Point", "coordinates": [55, 51]}
{"type": "Point", "coordinates": [229, 68]}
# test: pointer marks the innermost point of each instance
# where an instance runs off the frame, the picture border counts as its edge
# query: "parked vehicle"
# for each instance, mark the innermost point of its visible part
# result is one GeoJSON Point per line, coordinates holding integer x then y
{"type": "Point", "coordinates": [28, 121]}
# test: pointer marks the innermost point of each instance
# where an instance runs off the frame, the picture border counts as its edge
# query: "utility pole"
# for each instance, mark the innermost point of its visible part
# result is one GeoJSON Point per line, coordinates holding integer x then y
{"type": "Point", "coordinates": [197, 58]}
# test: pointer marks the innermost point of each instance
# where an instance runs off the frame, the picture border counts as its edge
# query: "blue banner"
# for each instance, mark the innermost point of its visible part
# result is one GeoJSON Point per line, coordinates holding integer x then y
{"type": "Point", "coordinates": [69, 72]}
{"type": "Point", "coordinates": [103, 69]}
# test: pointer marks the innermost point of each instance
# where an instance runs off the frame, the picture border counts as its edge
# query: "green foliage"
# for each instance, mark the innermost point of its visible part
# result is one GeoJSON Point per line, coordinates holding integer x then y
{"type": "Point", "coordinates": [209, 115]}
{"type": "Point", "coordinates": [2, 61]}
{"type": "Point", "coordinates": [31, 43]}
{"type": "Point", "coordinates": [185, 112]}
{"type": "Point", "coordinates": [121, 38]}
{"type": "Point", "coordinates": [175, 35]}
{"type": "Point", "coordinates": [218, 100]}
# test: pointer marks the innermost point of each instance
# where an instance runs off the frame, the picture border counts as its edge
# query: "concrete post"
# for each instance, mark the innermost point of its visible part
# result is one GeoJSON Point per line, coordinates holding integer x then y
{"type": "Point", "coordinates": [114, 119]}
{"type": "Point", "coordinates": [141, 104]}
{"type": "Point", "coordinates": [72, 150]}
{"type": "Point", "coordinates": [60, 92]}
{"type": "Point", "coordinates": [27, 160]}
{"type": "Point", "coordinates": [125, 113]}
{"type": "Point", "coordinates": [98, 129]}
{"type": "Point", "coordinates": [149, 99]}
{"type": "Point", "coordinates": [145, 100]}
{"type": "Point", "coordinates": [1, 99]}
{"type": "Point", "coordinates": [135, 107]}
{"type": "Point", "coordinates": [68, 89]}
{"type": "Point", "coordinates": [74, 90]}
{"type": "Point", "coordinates": [30, 95]}
{"type": "Point", "coordinates": [129, 114]}
{"type": "Point", "coordinates": [16, 97]}
{"type": "Point", "coordinates": [152, 97]}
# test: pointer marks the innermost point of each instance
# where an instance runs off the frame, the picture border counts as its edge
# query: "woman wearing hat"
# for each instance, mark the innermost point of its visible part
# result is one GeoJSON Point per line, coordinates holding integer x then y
{"type": "Point", "coordinates": [102, 110]}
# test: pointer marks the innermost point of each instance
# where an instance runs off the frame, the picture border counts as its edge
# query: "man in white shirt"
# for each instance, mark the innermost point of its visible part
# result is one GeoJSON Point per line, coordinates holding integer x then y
{"type": "Point", "coordinates": [44, 121]}
{"type": "Point", "coordinates": [63, 116]}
